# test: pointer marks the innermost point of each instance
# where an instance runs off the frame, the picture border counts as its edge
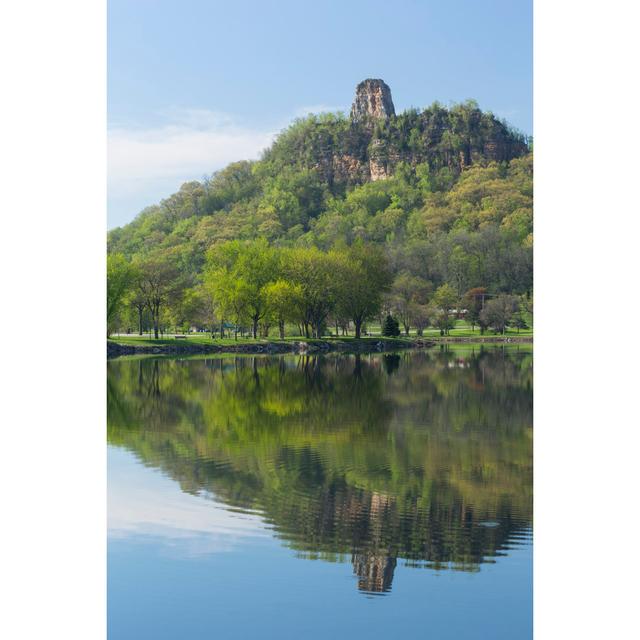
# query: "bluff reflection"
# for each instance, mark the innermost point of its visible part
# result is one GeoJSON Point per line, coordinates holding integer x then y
{"type": "Point", "coordinates": [371, 458]}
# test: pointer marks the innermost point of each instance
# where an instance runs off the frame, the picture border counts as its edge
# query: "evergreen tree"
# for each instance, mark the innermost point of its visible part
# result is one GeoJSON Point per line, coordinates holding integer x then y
{"type": "Point", "coordinates": [391, 327]}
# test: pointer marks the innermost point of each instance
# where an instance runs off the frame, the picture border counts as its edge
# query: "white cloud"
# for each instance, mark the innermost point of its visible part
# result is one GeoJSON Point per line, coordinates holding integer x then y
{"type": "Point", "coordinates": [146, 164]}
{"type": "Point", "coordinates": [153, 162]}
{"type": "Point", "coordinates": [143, 502]}
{"type": "Point", "coordinates": [194, 143]}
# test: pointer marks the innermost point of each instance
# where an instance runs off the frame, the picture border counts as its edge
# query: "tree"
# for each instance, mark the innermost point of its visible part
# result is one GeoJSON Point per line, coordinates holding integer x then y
{"type": "Point", "coordinates": [234, 298]}
{"type": "Point", "coordinates": [138, 302]}
{"type": "Point", "coordinates": [120, 278]}
{"type": "Point", "coordinates": [194, 307]}
{"type": "Point", "coordinates": [364, 278]}
{"type": "Point", "coordinates": [420, 316]}
{"type": "Point", "coordinates": [391, 327]}
{"type": "Point", "coordinates": [318, 275]}
{"type": "Point", "coordinates": [498, 312]}
{"type": "Point", "coordinates": [157, 283]}
{"type": "Point", "coordinates": [473, 301]}
{"type": "Point", "coordinates": [523, 312]}
{"type": "Point", "coordinates": [520, 323]}
{"type": "Point", "coordinates": [254, 264]}
{"type": "Point", "coordinates": [445, 299]}
{"type": "Point", "coordinates": [407, 292]}
{"type": "Point", "coordinates": [284, 301]}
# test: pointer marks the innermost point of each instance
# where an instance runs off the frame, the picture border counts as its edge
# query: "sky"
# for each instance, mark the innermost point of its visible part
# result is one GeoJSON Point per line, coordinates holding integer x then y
{"type": "Point", "coordinates": [196, 84]}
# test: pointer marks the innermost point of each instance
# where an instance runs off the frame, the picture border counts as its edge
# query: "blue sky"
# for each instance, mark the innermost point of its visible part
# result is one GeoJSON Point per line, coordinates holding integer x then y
{"type": "Point", "coordinates": [193, 85]}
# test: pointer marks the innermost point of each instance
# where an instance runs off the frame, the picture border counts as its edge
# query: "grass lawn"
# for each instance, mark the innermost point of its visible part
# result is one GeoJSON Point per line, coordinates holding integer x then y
{"type": "Point", "coordinates": [461, 330]}
{"type": "Point", "coordinates": [205, 338]}
{"type": "Point", "coordinates": [192, 338]}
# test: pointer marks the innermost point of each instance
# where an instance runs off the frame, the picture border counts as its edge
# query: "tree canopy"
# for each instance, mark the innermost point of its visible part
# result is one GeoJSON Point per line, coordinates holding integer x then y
{"type": "Point", "coordinates": [453, 207]}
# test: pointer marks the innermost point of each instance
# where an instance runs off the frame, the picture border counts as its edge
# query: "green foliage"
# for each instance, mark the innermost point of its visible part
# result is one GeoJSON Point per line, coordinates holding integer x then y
{"type": "Point", "coordinates": [408, 298]}
{"type": "Point", "coordinates": [473, 302]}
{"type": "Point", "coordinates": [455, 208]}
{"type": "Point", "coordinates": [391, 327]}
{"type": "Point", "coordinates": [121, 276]}
{"type": "Point", "coordinates": [445, 300]}
{"type": "Point", "coordinates": [498, 312]}
{"type": "Point", "coordinates": [365, 277]}
{"type": "Point", "coordinates": [159, 283]}
{"type": "Point", "coordinates": [317, 275]}
{"type": "Point", "coordinates": [285, 302]}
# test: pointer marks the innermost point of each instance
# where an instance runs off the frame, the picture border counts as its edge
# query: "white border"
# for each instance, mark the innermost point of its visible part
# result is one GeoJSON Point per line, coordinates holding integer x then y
{"type": "Point", "coordinates": [52, 126]}
{"type": "Point", "coordinates": [52, 458]}
{"type": "Point", "coordinates": [586, 242]}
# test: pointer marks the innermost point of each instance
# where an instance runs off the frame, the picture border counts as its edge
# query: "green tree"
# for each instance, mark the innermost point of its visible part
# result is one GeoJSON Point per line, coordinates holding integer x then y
{"type": "Point", "coordinates": [158, 282]}
{"type": "Point", "coordinates": [445, 299]}
{"type": "Point", "coordinates": [407, 292]}
{"type": "Point", "coordinates": [120, 278]}
{"type": "Point", "coordinates": [252, 265]}
{"type": "Point", "coordinates": [473, 301]}
{"type": "Point", "coordinates": [420, 316]}
{"type": "Point", "coordinates": [364, 279]}
{"type": "Point", "coordinates": [317, 274]}
{"type": "Point", "coordinates": [232, 298]}
{"type": "Point", "coordinates": [284, 302]}
{"type": "Point", "coordinates": [138, 302]}
{"type": "Point", "coordinates": [391, 327]}
{"type": "Point", "coordinates": [194, 308]}
{"type": "Point", "coordinates": [498, 312]}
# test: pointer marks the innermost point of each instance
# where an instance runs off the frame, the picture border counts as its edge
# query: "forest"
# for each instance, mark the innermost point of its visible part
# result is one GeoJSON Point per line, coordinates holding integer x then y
{"type": "Point", "coordinates": [340, 223]}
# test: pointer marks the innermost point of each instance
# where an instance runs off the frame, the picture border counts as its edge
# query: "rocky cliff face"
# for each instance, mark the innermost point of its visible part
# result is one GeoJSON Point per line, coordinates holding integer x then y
{"type": "Point", "coordinates": [370, 144]}
{"type": "Point", "coordinates": [373, 100]}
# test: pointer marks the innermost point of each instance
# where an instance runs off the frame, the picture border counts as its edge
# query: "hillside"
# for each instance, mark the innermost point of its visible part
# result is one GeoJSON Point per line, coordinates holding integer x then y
{"type": "Point", "coordinates": [447, 193]}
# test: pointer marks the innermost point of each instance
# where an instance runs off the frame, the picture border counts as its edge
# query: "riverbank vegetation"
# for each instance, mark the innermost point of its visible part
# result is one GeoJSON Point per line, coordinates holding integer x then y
{"type": "Point", "coordinates": [299, 244]}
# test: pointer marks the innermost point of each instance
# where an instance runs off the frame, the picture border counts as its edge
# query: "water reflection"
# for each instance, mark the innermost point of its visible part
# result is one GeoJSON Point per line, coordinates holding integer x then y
{"type": "Point", "coordinates": [423, 457]}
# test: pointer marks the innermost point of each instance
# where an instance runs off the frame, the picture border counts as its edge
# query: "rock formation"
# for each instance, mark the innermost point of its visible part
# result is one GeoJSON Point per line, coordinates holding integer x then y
{"type": "Point", "coordinates": [375, 140]}
{"type": "Point", "coordinates": [373, 100]}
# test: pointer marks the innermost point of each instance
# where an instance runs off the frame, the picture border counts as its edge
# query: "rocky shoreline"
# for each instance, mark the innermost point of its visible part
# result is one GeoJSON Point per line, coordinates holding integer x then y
{"type": "Point", "coordinates": [116, 349]}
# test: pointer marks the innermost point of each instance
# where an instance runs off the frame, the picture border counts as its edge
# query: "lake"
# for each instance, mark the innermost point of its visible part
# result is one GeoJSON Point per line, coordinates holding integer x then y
{"type": "Point", "coordinates": [371, 496]}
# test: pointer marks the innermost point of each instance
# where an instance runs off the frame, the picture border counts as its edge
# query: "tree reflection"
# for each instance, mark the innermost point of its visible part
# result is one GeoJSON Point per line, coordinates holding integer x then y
{"type": "Point", "coordinates": [368, 458]}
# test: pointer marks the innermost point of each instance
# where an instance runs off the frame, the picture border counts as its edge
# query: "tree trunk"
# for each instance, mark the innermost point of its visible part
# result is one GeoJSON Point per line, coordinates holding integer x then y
{"type": "Point", "coordinates": [156, 320]}
{"type": "Point", "coordinates": [140, 321]}
{"type": "Point", "coordinates": [358, 324]}
{"type": "Point", "coordinates": [255, 327]}
{"type": "Point", "coordinates": [281, 327]}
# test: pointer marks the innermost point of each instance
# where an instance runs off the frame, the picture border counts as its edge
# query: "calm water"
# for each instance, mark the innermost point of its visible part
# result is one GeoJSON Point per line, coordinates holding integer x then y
{"type": "Point", "coordinates": [310, 497]}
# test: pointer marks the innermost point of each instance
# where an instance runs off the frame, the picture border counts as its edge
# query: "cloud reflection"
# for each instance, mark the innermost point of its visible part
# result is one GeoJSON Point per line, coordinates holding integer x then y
{"type": "Point", "coordinates": [142, 502]}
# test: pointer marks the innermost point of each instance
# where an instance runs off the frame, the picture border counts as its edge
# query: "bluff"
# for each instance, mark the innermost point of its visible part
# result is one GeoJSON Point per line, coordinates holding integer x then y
{"type": "Point", "coordinates": [447, 190]}
{"type": "Point", "coordinates": [373, 100]}
{"type": "Point", "coordinates": [373, 141]}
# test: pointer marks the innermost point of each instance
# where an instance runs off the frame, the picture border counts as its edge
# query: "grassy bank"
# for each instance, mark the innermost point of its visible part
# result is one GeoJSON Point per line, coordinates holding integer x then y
{"type": "Point", "coordinates": [461, 330]}
{"type": "Point", "coordinates": [205, 339]}
{"type": "Point", "coordinates": [204, 344]}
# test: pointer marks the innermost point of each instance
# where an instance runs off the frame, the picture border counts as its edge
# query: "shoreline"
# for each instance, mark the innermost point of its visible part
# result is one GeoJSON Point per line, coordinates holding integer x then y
{"type": "Point", "coordinates": [366, 345]}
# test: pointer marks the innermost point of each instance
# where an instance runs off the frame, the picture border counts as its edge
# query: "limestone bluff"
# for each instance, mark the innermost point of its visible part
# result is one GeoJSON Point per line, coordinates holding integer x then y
{"type": "Point", "coordinates": [371, 143]}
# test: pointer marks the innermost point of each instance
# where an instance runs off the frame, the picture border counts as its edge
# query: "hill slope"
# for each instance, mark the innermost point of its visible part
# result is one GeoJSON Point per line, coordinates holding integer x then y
{"type": "Point", "coordinates": [447, 191]}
